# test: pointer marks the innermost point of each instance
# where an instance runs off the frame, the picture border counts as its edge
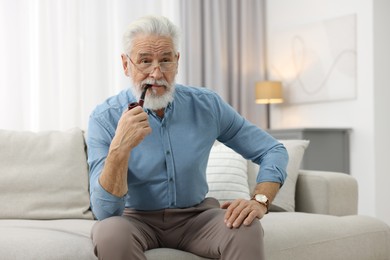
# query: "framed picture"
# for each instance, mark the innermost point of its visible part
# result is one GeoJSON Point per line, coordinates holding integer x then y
{"type": "Point", "coordinates": [316, 62]}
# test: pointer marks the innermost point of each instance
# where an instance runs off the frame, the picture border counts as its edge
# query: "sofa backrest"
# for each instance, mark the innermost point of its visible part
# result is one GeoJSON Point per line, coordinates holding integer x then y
{"type": "Point", "coordinates": [69, 174]}
{"type": "Point", "coordinates": [43, 175]}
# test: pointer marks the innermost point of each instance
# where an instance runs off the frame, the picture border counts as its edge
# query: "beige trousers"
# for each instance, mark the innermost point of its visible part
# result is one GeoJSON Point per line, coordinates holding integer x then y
{"type": "Point", "coordinates": [200, 230]}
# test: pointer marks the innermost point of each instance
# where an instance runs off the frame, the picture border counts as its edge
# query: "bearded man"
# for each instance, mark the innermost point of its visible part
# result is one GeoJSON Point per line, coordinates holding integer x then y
{"type": "Point", "coordinates": [148, 164]}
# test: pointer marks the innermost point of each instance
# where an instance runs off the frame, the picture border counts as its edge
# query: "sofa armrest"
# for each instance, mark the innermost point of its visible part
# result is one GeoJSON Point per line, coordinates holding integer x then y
{"type": "Point", "coordinates": [324, 192]}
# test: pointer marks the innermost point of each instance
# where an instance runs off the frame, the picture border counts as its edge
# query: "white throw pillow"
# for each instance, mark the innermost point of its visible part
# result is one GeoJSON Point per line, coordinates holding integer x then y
{"type": "Point", "coordinates": [226, 174]}
{"type": "Point", "coordinates": [285, 199]}
{"type": "Point", "coordinates": [43, 175]}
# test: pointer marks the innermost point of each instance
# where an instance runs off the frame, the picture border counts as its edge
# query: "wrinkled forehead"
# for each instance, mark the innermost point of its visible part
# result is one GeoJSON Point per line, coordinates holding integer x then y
{"type": "Point", "coordinates": [168, 53]}
{"type": "Point", "coordinates": [152, 44]}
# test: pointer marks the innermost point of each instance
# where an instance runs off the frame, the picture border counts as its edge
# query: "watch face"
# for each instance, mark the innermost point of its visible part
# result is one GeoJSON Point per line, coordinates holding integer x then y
{"type": "Point", "coordinates": [261, 198]}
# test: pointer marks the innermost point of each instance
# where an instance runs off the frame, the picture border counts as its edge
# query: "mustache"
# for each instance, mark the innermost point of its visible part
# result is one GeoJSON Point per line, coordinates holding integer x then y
{"type": "Point", "coordinates": [160, 82]}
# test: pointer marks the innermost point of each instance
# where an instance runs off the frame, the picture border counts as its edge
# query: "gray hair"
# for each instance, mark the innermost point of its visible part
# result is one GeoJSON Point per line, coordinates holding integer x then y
{"type": "Point", "coordinates": [151, 25]}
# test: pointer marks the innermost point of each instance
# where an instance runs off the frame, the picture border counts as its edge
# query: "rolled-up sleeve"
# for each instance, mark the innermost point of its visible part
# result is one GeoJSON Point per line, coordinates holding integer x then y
{"type": "Point", "coordinates": [103, 203]}
{"type": "Point", "coordinates": [253, 144]}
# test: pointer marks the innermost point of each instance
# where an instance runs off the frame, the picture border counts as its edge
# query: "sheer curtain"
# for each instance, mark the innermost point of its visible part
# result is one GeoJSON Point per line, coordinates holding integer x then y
{"type": "Point", "coordinates": [59, 59]}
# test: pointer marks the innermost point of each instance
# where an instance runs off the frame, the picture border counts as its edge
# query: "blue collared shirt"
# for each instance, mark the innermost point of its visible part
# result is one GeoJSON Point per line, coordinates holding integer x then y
{"type": "Point", "coordinates": [167, 169]}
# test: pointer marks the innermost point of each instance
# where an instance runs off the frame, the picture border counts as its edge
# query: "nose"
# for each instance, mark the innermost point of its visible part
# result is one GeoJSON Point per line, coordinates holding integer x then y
{"type": "Point", "coordinates": [156, 72]}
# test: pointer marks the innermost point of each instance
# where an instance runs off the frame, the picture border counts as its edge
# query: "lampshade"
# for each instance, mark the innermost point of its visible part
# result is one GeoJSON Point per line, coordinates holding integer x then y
{"type": "Point", "coordinates": [269, 92]}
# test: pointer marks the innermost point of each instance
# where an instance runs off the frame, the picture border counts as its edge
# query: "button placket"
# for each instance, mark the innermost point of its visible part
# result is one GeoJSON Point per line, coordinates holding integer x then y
{"type": "Point", "coordinates": [169, 164]}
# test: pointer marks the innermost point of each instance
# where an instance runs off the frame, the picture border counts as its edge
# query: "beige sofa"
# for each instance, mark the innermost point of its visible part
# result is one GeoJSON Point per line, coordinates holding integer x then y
{"type": "Point", "coordinates": [45, 205]}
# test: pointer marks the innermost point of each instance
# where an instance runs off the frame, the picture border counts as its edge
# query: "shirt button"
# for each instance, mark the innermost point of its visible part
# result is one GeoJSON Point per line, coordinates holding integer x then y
{"type": "Point", "coordinates": [170, 179]}
{"type": "Point", "coordinates": [168, 152]}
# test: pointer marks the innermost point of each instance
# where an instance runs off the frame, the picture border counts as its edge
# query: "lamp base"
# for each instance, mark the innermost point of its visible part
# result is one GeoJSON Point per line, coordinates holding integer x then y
{"type": "Point", "coordinates": [268, 108]}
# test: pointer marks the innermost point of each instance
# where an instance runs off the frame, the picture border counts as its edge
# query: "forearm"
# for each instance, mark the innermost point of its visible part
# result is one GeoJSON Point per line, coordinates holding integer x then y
{"type": "Point", "coordinates": [113, 178]}
{"type": "Point", "coordinates": [108, 190]}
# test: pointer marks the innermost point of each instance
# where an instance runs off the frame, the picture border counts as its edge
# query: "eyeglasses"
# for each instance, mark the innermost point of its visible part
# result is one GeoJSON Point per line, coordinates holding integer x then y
{"type": "Point", "coordinates": [146, 63]}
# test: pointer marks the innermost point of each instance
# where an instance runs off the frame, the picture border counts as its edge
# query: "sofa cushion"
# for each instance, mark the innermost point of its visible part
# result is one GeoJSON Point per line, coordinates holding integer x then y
{"type": "Point", "coordinates": [46, 239]}
{"type": "Point", "coordinates": [294, 235]}
{"type": "Point", "coordinates": [43, 175]}
{"type": "Point", "coordinates": [285, 199]}
{"type": "Point", "coordinates": [226, 174]}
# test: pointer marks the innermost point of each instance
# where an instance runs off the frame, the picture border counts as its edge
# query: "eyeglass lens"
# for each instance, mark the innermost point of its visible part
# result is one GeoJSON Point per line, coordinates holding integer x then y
{"type": "Point", "coordinates": [166, 60]}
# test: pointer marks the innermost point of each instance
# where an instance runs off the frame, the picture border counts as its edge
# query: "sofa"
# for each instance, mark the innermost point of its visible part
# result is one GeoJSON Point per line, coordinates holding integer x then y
{"type": "Point", "coordinates": [45, 211]}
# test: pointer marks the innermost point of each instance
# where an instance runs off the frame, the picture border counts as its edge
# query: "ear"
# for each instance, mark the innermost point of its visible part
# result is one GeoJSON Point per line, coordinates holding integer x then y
{"type": "Point", "coordinates": [125, 64]}
{"type": "Point", "coordinates": [178, 57]}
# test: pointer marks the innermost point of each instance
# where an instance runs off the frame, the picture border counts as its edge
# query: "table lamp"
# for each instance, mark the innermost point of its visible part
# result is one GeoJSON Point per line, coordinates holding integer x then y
{"type": "Point", "coordinates": [268, 92]}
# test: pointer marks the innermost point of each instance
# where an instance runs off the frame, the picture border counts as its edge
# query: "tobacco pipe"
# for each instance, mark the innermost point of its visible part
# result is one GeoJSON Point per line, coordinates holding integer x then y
{"type": "Point", "coordinates": [141, 99]}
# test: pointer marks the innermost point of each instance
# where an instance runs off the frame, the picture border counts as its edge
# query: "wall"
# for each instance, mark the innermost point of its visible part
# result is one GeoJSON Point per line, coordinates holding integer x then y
{"type": "Point", "coordinates": [365, 115]}
{"type": "Point", "coordinates": [381, 106]}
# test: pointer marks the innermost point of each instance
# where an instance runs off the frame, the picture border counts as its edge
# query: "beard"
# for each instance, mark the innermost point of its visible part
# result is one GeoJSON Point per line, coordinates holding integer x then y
{"type": "Point", "coordinates": [153, 101]}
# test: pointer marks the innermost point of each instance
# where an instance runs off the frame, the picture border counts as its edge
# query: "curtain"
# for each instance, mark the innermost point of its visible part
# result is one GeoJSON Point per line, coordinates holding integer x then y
{"type": "Point", "coordinates": [59, 59]}
{"type": "Point", "coordinates": [224, 46]}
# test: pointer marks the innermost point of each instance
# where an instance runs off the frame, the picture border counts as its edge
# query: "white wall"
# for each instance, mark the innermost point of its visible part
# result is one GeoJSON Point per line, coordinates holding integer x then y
{"type": "Point", "coordinates": [381, 106]}
{"type": "Point", "coordinates": [366, 114]}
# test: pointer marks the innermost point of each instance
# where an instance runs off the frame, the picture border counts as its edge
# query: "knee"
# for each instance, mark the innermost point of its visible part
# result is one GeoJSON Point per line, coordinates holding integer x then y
{"type": "Point", "coordinates": [113, 234]}
{"type": "Point", "coordinates": [252, 235]}
{"type": "Point", "coordinates": [110, 229]}
{"type": "Point", "coordinates": [246, 243]}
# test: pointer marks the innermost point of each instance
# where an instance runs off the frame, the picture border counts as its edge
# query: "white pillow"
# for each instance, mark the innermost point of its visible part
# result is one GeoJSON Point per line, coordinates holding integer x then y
{"type": "Point", "coordinates": [43, 175]}
{"type": "Point", "coordinates": [227, 174]}
{"type": "Point", "coordinates": [285, 199]}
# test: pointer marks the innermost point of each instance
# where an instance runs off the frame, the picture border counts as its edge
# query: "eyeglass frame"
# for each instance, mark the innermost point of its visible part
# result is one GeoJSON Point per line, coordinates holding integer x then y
{"type": "Point", "coordinates": [136, 65]}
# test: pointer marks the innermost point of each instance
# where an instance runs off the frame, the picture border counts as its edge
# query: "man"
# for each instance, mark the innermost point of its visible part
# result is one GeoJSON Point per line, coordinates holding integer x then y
{"type": "Point", "coordinates": [147, 165]}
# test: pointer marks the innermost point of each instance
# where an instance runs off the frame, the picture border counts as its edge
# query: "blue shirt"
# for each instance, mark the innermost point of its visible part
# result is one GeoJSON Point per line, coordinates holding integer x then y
{"type": "Point", "coordinates": [168, 168]}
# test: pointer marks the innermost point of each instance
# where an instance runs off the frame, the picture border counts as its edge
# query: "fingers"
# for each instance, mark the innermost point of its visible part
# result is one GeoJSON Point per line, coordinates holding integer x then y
{"type": "Point", "coordinates": [133, 127]}
{"type": "Point", "coordinates": [225, 205]}
{"type": "Point", "coordinates": [235, 214]}
{"type": "Point", "coordinates": [242, 212]}
{"type": "Point", "coordinates": [135, 114]}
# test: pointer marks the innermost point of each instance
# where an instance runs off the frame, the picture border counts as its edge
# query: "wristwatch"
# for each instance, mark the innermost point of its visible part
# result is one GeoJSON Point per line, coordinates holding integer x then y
{"type": "Point", "coordinates": [262, 199]}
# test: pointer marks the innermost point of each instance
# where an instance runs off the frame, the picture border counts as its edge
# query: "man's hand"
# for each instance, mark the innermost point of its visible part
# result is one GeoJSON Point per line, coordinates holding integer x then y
{"type": "Point", "coordinates": [132, 128]}
{"type": "Point", "coordinates": [242, 211]}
